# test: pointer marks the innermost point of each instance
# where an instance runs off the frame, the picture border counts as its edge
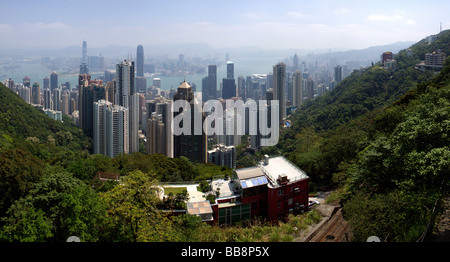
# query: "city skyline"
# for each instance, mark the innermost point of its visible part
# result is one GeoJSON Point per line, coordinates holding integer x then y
{"type": "Point", "coordinates": [267, 25]}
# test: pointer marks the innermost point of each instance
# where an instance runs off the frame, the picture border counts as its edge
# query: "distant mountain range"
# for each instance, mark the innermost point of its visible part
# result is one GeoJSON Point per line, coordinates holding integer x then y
{"type": "Point", "coordinates": [206, 51]}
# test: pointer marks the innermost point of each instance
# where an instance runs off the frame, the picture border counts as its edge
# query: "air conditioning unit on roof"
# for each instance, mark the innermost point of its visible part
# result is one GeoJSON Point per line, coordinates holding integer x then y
{"type": "Point", "coordinates": [283, 179]}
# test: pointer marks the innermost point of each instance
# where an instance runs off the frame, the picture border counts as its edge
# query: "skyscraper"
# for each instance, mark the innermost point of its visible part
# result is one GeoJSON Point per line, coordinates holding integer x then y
{"type": "Point", "coordinates": [140, 61]}
{"type": "Point", "coordinates": [99, 120]}
{"type": "Point", "coordinates": [117, 138]}
{"type": "Point", "coordinates": [84, 69]}
{"type": "Point", "coordinates": [223, 155]}
{"type": "Point", "coordinates": [110, 129]}
{"type": "Point", "coordinates": [56, 99]}
{"type": "Point", "coordinates": [211, 91]}
{"type": "Point", "coordinates": [193, 146]}
{"type": "Point", "coordinates": [156, 135]}
{"type": "Point", "coordinates": [279, 82]}
{"type": "Point", "coordinates": [53, 81]}
{"type": "Point", "coordinates": [84, 53]}
{"type": "Point", "coordinates": [141, 81]}
{"type": "Point", "coordinates": [126, 96]}
{"type": "Point", "coordinates": [180, 63]}
{"type": "Point", "coordinates": [297, 89]}
{"type": "Point", "coordinates": [141, 84]}
{"type": "Point", "coordinates": [229, 84]}
{"type": "Point", "coordinates": [295, 62]}
{"type": "Point", "coordinates": [133, 122]}
{"type": "Point", "coordinates": [47, 99]}
{"type": "Point", "coordinates": [241, 87]}
{"type": "Point", "coordinates": [338, 74]}
{"type": "Point", "coordinates": [36, 94]}
{"type": "Point", "coordinates": [230, 69]}
{"type": "Point", "coordinates": [91, 91]}
{"type": "Point", "coordinates": [162, 110]}
{"type": "Point", "coordinates": [124, 82]}
{"type": "Point", "coordinates": [46, 83]}
{"type": "Point", "coordinates": [310, 88]}
{"type": "Point", "coordinates": [205, 88]}
{"type": "Point", "coordinates": [83, 80]}
{"type": "Point", "coordinates": [26, 81]}
{"type": "Point", "coordinates": [228, 88]}
{"type": "Point", "coordinates": [65, 102]}
{"type": "Point", "coordinates": [25, 93]}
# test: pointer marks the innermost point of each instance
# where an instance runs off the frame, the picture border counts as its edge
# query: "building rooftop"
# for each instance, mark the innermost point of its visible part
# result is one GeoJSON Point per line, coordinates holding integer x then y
{"type": "Point", "coordinates": [202, 209]}
{"type": "Point", "coordinates": [277, 168]}
{"type": "Point", "coordinates": [249, 172]}
{"type": "Point", "coordinates": [227, 188]}
{"type": "Point", "coordinates": [184, 85]}
{"type": "Point", "coordinates": [198, 208]}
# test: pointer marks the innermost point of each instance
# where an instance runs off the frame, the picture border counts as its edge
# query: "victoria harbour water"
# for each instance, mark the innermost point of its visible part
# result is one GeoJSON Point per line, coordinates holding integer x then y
{"type": "Point", "coordinates": [37, 72]}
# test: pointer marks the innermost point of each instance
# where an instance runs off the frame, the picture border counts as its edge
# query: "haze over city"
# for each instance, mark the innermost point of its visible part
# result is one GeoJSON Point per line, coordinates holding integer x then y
{"type": "Point", "coordinates": [337, 25]}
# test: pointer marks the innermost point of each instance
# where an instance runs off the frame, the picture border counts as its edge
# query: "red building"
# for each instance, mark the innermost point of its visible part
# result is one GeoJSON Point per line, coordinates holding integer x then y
{"type": "Point", "coordinates": [272, 190]}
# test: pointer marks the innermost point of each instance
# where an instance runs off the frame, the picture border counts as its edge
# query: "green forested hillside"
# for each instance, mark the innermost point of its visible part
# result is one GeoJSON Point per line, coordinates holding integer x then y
{"type": "Point", "coordinates": [28, 128]}
{"type": "Point", "coordinates": [327, 132]}
{"type": "Point", "coordinates": [401, 176]}
{"type": "Point", "coordinates": [381, 139]}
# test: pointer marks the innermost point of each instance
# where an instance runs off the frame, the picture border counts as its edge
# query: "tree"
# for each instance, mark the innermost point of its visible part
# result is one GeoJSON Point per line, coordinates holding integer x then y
{"type": "Point", "coordinates": [398, 177]}
{"type": "Point", "coordinates": [132, 211]}
{"type": "Point", "coordinates": [56, 207]}
{"type": "Point", "coordinates": [29, 226]}
{"type": "Point", "coordinates": [379, 215]}
{"type": "Point", "coordinates": [19, 170]}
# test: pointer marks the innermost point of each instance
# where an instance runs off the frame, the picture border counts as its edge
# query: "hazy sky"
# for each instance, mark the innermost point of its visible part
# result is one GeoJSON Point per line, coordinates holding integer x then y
{"type": "Point", "coordinates": [266, 24]}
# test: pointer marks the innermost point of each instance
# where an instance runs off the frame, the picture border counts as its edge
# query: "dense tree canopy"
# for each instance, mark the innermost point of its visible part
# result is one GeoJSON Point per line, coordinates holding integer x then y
{"type": "Point", "coordinates": [58, 206]}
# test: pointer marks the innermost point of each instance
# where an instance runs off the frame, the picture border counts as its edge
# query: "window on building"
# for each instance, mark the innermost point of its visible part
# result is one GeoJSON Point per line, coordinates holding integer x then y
{"type": "Point", "coordinates": [280, 192]}
{"type": "Point", "coordinates": [290, 201]}
{"type": "Point", "coordinates": [230, 215]}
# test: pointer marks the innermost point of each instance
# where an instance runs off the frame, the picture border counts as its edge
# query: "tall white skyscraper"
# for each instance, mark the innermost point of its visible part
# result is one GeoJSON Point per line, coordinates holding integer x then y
{"type": "Point", "coordinates": [133, 122]}
{"type": "Point", "coordinates": [124, 82]}
{"type": "Point", "coordinates": [99, 122]}
{"type": "Point", "coordinates": [56, 99]}
{"type": "Point", "coordinates": [159, 115]}
{"type": "Point", "coordinates": [110, 129]}
{"type": "Point", "coordinates": [126, 96]}
{"type": "Point", "coordinates": [117, 139]}
{"type": "Point", "coordinates": [47, 99]}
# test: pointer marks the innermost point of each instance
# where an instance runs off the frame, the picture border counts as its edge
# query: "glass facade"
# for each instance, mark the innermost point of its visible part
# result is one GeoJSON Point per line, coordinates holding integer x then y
{"type": "Point", "coordinates": [233, 214]}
